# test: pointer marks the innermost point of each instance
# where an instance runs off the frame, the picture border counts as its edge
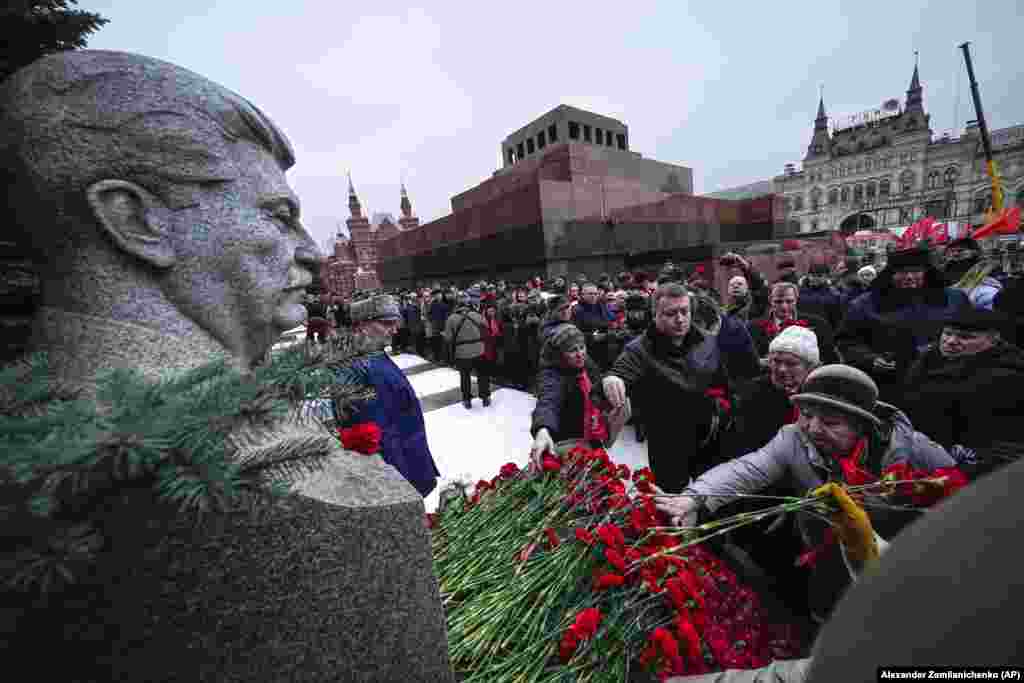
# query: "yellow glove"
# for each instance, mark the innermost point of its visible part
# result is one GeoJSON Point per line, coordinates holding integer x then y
{"type": "Point", "coordinates": [852, 524]}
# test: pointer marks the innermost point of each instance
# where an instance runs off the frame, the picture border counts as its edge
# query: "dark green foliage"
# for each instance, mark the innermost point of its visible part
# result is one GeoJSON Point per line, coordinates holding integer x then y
{"type": "Point", "coordinates": [31, 29]}
{"type": "Point", "coordinates": [208, 441]}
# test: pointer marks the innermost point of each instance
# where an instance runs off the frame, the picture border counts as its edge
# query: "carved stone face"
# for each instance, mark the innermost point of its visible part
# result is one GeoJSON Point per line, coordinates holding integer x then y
{"type": "Point", "coordinates": [243, 259]}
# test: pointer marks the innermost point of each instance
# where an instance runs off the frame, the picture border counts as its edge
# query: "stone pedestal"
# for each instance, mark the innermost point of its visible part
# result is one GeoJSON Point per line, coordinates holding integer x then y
{"type": "Point", "coordinates": [306, 591]}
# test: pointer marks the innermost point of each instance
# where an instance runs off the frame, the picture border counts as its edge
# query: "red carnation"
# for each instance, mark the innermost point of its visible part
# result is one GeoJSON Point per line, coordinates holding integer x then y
{"type": "Point", "coordinates": [688, 634]}
{"type": "Point", "coordinates": [508, 470]}
{"type": "Point", "coordinates": [552, 538]}
{"type": "Point", "coordinates": [362, 438]}
{"type": "Point", "coordinates": [719, 394]}
{"type": "Point", "coordinates": [567, 647]}
{"type": "Point", "coordinates": [584, 535]}
{"type": "Point", "coordinates": [643, 473]}
{"type": "Point", "coordinates": [611, 535]}
{"type": "Point", "coordinates": [587, 622]}
{"type": "Point", "coordinates": [951, 479]}
{"type": "Point", "coordinates": [615, 559]}
{"type": "Point", "coordinates": [550, 464]}
{"type": "Point", "coordinates": [606, 581]}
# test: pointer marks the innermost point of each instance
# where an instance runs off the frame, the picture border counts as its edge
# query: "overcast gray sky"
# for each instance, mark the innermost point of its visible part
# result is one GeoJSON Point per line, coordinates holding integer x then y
{"type": "Point", "coordinates": [392, 91]}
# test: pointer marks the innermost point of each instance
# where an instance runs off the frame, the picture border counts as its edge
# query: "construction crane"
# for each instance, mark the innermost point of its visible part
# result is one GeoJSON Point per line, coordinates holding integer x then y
{"type": "Point", "coordinates": [986, 141]}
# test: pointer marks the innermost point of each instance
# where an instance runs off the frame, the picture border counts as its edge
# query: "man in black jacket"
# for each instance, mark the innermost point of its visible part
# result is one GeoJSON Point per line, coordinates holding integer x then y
{"type": "Point", "coordinates": [965, 391]}
{"type": "Point", "coordinates": [782, 312]}
{"type": "Point", "coordinates": [592, 318]}
{"type": "Point", "coordinates": [679, 374]}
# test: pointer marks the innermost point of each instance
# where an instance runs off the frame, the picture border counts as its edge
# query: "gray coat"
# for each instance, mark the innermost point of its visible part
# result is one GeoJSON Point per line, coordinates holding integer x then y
{"type": "Point", "coordinates": [465, 330]}
{"type": "Point", "coordinates": [791, 458]}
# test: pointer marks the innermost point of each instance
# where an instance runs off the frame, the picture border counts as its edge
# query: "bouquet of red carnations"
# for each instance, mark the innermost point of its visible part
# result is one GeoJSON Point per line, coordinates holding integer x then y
{"type": "Point", "coordinates": [557, 573]}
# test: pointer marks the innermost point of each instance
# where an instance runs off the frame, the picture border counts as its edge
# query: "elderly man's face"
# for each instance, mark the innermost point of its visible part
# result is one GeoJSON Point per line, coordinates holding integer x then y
{"type": "Point", "coordinates": [673, 317]}
{"type": "Point", "coordinates": [955, 342]}
{"type": "Point", "coordinates": [908, 278]}
{"type": "Point", "coordinates": [590, 294]}
{"type": "Point", "coordinates": [242, 258]}
{"type": "Point", "coordinates": [787, 371]}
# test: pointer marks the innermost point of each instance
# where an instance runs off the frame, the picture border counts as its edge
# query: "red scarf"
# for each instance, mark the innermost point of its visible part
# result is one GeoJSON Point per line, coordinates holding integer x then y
{"type": "Point", "coordinates": [595, 427]}
{"type": "Point", "coordinates": [853, 473]}
{"type": "Point", "coordinates": [772, 328]}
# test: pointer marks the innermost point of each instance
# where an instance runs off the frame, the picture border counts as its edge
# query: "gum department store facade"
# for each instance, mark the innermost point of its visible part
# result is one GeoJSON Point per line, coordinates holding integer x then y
{"type": "Point", "coordinates": [889, 172]}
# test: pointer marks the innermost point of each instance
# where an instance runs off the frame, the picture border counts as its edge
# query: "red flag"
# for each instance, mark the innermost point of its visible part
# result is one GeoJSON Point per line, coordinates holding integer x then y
{"type": "Point", "coordinates": [1006, 223]}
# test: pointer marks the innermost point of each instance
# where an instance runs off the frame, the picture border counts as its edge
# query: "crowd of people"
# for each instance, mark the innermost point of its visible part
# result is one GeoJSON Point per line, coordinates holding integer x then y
{"type": "Point", "coordinates": [770, 388]}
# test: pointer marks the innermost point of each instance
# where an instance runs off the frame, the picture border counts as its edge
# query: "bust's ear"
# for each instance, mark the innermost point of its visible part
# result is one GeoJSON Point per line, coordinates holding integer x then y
{"type": "Point", "coordinates": [134, 219]}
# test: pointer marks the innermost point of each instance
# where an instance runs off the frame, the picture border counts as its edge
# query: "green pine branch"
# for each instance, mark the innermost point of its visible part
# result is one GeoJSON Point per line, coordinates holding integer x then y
{"type": "Point", "coordinates": [207, 441]}
{"type": "Point", "coordinates": [30, 29]}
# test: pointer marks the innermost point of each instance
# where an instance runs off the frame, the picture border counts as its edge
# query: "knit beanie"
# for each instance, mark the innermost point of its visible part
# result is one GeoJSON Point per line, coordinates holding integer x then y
{"type": "Point", "coordinates": [799, 341]}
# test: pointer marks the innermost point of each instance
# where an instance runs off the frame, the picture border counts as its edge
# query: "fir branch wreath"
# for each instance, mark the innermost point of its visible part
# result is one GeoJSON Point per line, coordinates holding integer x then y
{"type": "Point", "coordinates": [201, 440]}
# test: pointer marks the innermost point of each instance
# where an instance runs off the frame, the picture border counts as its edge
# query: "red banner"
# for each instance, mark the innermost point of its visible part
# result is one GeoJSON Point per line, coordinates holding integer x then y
{"type": "Point", "coordinates": [1007, 222]}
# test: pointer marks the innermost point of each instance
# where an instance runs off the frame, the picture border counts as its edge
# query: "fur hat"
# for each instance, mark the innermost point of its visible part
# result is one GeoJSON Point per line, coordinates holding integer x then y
{"type": "Point", "coordinates": [799, 341]}
{"type": "Point", "coordinates": [980, 320]}
{"type": "Point", "coordinates": [964, 243]}
{"type": "Point", "coordinates": [909, 258]}
{"type": "Point", "coordinates": [380, 307]}
{"type": "Point", "coordinates": [842, 387]}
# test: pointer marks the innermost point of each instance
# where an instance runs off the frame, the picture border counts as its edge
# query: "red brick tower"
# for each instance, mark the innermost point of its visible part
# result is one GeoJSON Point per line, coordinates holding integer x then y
{"type": "Point", "coordinates": [407, 221]}
{"type": "Point", "coordinates": [363, 242]}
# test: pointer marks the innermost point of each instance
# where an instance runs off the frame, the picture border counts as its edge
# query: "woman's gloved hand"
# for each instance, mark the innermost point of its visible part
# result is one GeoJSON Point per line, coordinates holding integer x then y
{"type": "Point", "coordinates": [852, 524]}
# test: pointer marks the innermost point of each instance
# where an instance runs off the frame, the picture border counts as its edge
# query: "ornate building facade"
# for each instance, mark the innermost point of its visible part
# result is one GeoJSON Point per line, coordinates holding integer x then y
{"type": "Point", "coordinates": [354, 263]}
{"type": "Point", "coordinates": [886, 170]}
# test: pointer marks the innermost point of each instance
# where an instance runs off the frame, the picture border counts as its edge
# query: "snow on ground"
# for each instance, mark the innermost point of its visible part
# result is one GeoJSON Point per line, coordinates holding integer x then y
{"type": "Point", "coordinates": [469, 445]}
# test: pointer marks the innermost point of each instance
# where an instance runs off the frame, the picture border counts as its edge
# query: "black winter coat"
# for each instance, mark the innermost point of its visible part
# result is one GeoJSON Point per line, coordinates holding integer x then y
{"type": "Point", "coordinates": [822, 330]}
{"type": "Point", "coordinates": [670, 383]}
{"type": "Point", "coordinates": [973, 401]}
{"type": "Point", "coordinates": [824, 301]}
{"type": "Point", "coordinates": [591, 318]}
{"type": "Point", "coordinates": [513, 325]}
{"type": "Point", "coordinates": [560, 402]}
{"type": "Point", "coordinates": [760, 411]}
{"type": "Point", "coordinates": [899, 324]}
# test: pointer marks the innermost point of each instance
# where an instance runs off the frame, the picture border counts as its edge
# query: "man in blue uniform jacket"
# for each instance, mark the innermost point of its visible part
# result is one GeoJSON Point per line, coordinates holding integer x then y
{"type": "Point", "coordinates": [391, 402]}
